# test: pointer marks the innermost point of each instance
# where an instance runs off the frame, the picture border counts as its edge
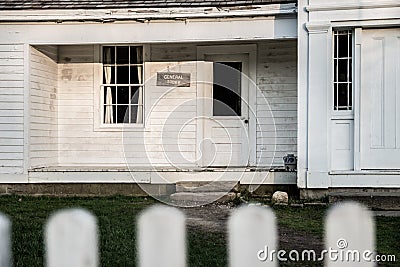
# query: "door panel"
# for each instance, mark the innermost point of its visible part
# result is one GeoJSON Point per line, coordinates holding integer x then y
{"type": "Point", "coordinates": [380, 99]}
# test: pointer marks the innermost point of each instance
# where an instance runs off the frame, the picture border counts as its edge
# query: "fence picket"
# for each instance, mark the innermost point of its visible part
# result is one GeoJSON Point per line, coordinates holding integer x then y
{"type": "Point", "coordinates": [252, 237]}
{"type": "Point", "coordinates": [71, 239]}
{"type": "Point", "coordinates": [349, 227]}
{"type": "Point", "coordinates": [5, 241]}
{"type": "Point", "coordinates": [161, 237]}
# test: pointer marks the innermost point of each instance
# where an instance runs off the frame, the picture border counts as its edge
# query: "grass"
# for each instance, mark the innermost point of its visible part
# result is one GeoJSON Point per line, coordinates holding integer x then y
{"type": "Point", "coordinates": [117, 220]}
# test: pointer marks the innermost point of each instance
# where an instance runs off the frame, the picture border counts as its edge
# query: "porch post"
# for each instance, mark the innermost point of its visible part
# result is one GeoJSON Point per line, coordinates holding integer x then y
{"type": "Point", "coordinates": [318, 103]}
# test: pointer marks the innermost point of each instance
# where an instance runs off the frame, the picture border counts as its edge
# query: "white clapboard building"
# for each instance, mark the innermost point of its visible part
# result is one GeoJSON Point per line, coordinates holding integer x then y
{"type": "Point", "coordinates": [156, 92]}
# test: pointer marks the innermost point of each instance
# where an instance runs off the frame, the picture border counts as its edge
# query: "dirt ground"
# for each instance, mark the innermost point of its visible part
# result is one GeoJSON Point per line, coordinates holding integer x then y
{"type": "Point", "coordinates": [213, 218]}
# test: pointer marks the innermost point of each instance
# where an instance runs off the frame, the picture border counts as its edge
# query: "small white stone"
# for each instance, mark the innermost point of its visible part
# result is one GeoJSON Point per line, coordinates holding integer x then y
{"type": "Point", "coordinates": [280, 197]}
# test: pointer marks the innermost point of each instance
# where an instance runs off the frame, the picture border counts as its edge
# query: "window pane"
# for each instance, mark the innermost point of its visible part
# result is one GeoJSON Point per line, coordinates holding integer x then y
{"type": "Point", "coordinates": [350, 41]}
{"type": "Point", "coordinates": [122, 114]}
{"type": "Point", "coordinates": [136, 114]}
{"type": "Point", "coordinates": [343, 45]}
{"type": "Point", "coordinates": [136, 74]}
{"type": "Point", "coordinates": [350, 99]}
{"type": "Point", "coordinates": [350, 70]}
{"type": "Point", "coordinates": [122, 75]}
{"type": "Point", "coordinates": [108, 55]}
{"type": "Point", "coordinates": [342, 97]}
{"type": "Point", "coordinates": [123, 95]}
{"type": "Point", "coordinates": [122, 54]}
{"type": "Point", "coordinates": [135, 94]}
{"type": "Point", "coordinates": [111, 98]}
{"type": "Point", "coordinates": [136, 55]}
{"type": "Point", "coordinates": [113, 114]}
{"type": "Point", "coordinates": [335, 43]}
{"type": "Point", "coordinates": [335, 99]}
{"type": "Point", "coordinates": [109, 73]}
{"type": "Point", "coordinates": [335, 69]}
{"type": "Point", "coordinates": [227, 89]}
{"type": "Point", "coordinates": [342, 70]}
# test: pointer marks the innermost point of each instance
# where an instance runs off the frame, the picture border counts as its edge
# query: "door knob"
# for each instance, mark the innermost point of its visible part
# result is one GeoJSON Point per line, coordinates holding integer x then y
{"type": "Point", "coordinates": [246, 121]}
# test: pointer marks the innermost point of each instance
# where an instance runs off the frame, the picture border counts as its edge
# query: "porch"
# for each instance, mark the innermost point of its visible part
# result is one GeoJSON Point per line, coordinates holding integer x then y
{"type": "Point", "coordinates": [70, 141]}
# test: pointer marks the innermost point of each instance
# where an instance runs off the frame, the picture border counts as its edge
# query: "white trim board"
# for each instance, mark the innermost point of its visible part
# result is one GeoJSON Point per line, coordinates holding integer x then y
{"type": "Point", "coordinates": [144, 14]}
{"type": "Point", "coordinates": [160, 32]}
{"type": "Point", "coordinates": [354, 5]}
{"type": "Point", "coordinates": [365, 181]}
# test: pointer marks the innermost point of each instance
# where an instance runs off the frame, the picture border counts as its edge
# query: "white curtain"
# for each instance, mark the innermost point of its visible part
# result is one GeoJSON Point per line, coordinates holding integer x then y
{"type": "Point", "coordinates": [108, 116]}
{"type": "Point", "coordinates": [139, 116]}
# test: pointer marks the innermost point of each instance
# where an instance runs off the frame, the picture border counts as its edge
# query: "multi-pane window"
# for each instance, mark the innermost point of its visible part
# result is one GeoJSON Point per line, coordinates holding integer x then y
{"type": "Point", "coordinates": [342, 60]}
{"type": "Point", "coordinates": [122, 84]}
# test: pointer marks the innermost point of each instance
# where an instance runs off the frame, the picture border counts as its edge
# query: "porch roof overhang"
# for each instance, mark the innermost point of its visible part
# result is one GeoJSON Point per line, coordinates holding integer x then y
{"type": "Point", "coordinates": [96, 4]}
{"type": "Point", "coordinates": [148, 26]}
{"type": "Point", "coordinates": [107, 15]}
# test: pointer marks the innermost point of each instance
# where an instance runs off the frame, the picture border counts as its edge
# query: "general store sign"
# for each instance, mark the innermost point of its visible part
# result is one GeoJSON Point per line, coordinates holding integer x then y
{"type": "Point", "coordinates": [179, 79]}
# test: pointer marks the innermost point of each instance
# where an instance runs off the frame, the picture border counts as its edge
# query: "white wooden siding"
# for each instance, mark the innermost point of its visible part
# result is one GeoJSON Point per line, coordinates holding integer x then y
{"type": "Point", "coordinates": [172, 138]}
{"type": "Point", "coordinates": [11, 108]}
{"type": "Point", "coordinates": [43, 108]}
{"type": "Point", "coordinates": [78, 143]}
{"type": "Point", "coordinates": [277, 82]}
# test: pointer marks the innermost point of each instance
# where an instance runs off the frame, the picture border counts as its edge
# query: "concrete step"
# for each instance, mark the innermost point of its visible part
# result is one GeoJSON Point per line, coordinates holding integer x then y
{"type": "Point", "coordinates": [373, 200]}
{"type": "Point", "coordinates": [201, 198]}
{"type": "Point", "coordinates": [217, 186]}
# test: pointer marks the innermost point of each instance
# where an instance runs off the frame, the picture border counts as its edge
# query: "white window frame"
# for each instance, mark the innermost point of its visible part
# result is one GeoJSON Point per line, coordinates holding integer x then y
{"type": "Point", "coordinates": [99, 124]}
{"type": "Point", "coordinates": [348, 114]}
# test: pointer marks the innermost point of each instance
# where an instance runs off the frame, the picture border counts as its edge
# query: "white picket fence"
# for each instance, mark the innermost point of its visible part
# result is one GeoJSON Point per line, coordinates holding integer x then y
{"type": "Point", "coordinates": [71, 237]}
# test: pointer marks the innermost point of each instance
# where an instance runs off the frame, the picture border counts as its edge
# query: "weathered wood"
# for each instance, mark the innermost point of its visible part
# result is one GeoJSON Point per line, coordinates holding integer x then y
{"type": "Point", "coordinates": [161, 238]}
{"type": "Point", "coordinates": [71, 239]}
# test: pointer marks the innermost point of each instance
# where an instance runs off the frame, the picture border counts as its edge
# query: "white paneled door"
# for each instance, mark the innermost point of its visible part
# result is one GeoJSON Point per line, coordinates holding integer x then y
{"type": "Point", "coordinates": [226, 113]}
{"type": "Point", "coordinates": [380, 99]}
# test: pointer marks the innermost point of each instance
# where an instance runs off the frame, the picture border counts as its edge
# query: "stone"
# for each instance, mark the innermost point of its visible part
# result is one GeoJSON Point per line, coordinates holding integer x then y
{"type": "Point", "coordinates": [280, 197]}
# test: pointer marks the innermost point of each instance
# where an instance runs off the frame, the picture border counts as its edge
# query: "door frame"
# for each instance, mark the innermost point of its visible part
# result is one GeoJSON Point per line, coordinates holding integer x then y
{"type": "Point", "coordinates": [251, 51]}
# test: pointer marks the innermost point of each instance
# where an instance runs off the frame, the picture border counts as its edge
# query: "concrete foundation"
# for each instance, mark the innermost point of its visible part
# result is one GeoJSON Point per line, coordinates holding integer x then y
{"type": "Point", "coordinates": [85, 189]}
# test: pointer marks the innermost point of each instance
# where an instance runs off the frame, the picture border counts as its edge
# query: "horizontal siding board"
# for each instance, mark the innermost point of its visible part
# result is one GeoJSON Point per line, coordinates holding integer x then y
{"type": "Point", "coordinates": [11, 47]}
{"type": "Point", "coordinates": [10, 119]}
{"type": "Point", "coordinates": [6, 155]}
{"type": "Point", "coordinates": [11, 113]}
{"type": "Point", "coordinates": [11, 105]}
{"type": "Point", "coordinates": [11, 76]}
{"type": "Point", "coordinates": [11, 170]}
{"type": "Point", "coordinates": [11, 61]}
{"type": "Point", "coordinates": [11, 84]}
{"type": "Point", "coordinates": [4, 162]}
{"type": "Point", "coordinates": [11, 54]}
{"type": "Point", "coordinates": [11, 127]}
{"type": "Point", "coordinates": [76, 97]}
{"type": "Point", "coordinates": [11, 69]}
{"type": "Point", "coordinates": [11, 142]}
{"type": "Point", "coordinates": [11, 134]}
{"type": "Point", "coordinates": [10, 98]}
